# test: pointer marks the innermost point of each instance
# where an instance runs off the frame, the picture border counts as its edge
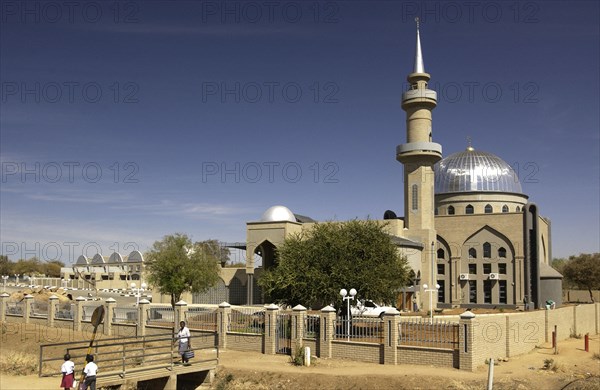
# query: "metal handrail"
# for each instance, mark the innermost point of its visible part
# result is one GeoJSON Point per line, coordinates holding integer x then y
{"type": "Point", "coordinates": [124, 352]}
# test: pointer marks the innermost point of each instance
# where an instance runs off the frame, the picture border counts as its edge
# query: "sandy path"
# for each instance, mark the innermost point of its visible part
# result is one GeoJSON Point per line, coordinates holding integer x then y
{"type": "Point", "coordinates": [256, 371]}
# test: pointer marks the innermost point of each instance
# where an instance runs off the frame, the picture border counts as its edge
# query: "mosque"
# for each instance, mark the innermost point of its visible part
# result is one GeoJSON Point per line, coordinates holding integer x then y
{"type": "Point", "coordinates": [471, 236]}
{"type": "Point", "coordinates": [469, 232]}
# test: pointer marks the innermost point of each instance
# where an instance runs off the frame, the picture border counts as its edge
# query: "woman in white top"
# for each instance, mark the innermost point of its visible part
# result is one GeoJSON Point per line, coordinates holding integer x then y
{"type": "Point", "coordinates": [184, 341]}
{"type": "Point", "coordinates": [68, 372]}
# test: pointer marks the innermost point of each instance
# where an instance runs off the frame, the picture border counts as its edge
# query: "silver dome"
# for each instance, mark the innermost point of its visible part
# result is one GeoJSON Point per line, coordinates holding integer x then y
{"type": "Point", "coordinates": [473, 170]}
{"type": "Point", "coordinates": [278, 214]}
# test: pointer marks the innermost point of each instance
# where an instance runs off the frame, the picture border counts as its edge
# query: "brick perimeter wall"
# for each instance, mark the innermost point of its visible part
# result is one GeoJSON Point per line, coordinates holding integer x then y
{"type": "Point", "coordinates": [586, 319]}
{"type": "Point", "coordinates": [364, 352]}
{"type": "Point", "coordinates": [245, 342]}
{"type": "Point", "coordinates": [524, 332]}
{"type": "Point", "coordinates": [494, 335]}
{"type": "Point", "coordinates": [427, 356]}
{"type": "Point", "coordinates": [563, 319]}
{"type": "Point", "coordinates": [313, 346]}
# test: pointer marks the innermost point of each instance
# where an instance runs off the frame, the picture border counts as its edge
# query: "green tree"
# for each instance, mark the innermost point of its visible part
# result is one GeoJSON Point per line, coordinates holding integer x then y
{"type": "Point", "coordinates": [312, 267]}
{"type": "Point", "coordinates": [32, 266]}
{"type": "Point", "coordinates": [6, 266]}
{"type": "Point", "coordinates": [215, 248]}
{"type": "Point", "coordinates": [52, 268]}
{"type": "Point", "coordinates": [176, 265]}
{"type": "Point", "coordinates": [559, 265]}
{"type": "Point", "coordinates": [583, 272]}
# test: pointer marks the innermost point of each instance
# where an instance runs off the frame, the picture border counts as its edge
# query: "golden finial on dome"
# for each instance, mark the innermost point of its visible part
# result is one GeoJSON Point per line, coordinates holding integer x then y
{"type": "Point", "coordinates": [469, 146]}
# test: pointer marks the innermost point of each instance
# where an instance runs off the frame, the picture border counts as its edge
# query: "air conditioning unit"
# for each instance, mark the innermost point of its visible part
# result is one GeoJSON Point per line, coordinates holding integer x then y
{"type": "Point", "coordinates": [494, 276]}
{"type": "Point", "coordinates": [464, 276]}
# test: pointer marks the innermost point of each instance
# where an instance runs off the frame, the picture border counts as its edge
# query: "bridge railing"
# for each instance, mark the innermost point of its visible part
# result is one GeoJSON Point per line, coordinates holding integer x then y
{"type": "Point", "coordinates": [123, 356]}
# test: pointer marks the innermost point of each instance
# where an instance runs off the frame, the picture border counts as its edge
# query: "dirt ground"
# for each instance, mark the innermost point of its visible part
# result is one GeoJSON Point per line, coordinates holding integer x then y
{"type": "Point", "coordinates": [573, 368]}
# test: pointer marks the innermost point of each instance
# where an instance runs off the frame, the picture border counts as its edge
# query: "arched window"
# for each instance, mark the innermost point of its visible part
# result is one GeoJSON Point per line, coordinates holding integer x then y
{"type": "Point", "coordinates": [487, 250]}
{"type": "Point", "coordinates": [440, 253]}
{"type": "Point", "coordinates": [502, 252]}
{"type": "Point", "coordinates": [450, 210]}
{"type": "Point", "coordinates": [415, 199]}
{"type": "Point", "coordinates": [505, 209]}
{"type": "Point", "coordinates": [518, 209]}
{"type": "Point", "coordinates": [472, 253]}
{"type": "Point", "coordinates": [488, 209]}
{"type": "Point", "coordinates": [469, 209]}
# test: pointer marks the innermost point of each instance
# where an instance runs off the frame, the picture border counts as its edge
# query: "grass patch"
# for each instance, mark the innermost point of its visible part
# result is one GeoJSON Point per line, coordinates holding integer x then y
{"type": "Point", "coordinates": [18, 363]}
{"type": "Point", "coordinates": [223, 383]}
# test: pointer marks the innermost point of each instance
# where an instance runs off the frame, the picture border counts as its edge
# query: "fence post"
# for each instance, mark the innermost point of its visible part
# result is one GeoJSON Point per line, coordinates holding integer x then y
{"type": "Point", "coordinates": [390, 341]}
{"type": "Point", "coordinates": [575, 319]}
{"type": "Point", "coordinates": [270, 335]}
{"type": "Point", "coordinates": [180, 310]}
{"type": "Point", "coordinates": [223, 324]}
{"type": "Point", "coordinates": [466, 342]}
{"type": "Point", "coordinates": [597, 305]}
{"type": "Point", "coordinates": [108, 315]}
{"type": "Point", "coordinates": [298, 316]}
{"type": "Point", "coordinates": [27, 308]}
{"type": "Point", "coordinates": [327, 331]}
{"type": "Point", "coordinates": [78, 315]}
{"type": "Point", "coordinates": [52, 305]}
{"type": "Point", "coordinates": [143, 317]}
{"type": "Point", "coordinates": [3, 301]}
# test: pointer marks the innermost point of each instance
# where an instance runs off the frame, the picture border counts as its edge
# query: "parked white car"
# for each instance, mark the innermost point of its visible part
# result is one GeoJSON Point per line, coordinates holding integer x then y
{"type": "Point", "coordinates": [369, 309]}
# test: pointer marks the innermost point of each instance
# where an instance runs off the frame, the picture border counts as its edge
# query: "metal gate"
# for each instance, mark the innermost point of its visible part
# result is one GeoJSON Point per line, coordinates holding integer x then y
{"type": "Point", "coordinates": [283, 334]}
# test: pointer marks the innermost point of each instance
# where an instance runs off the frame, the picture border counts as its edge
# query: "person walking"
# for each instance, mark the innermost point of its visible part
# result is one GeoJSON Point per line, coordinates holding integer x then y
{"type": "Point", "coordinates": [90, 371]}
{"type": "Point", "coordinates": [68, 373]}
{"type": "Point", "coordinates": [184, 342]}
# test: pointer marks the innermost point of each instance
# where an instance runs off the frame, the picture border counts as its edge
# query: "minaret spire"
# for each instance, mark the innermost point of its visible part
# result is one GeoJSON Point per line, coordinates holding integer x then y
{"type": "Point", "coordinates": [419, 65]}
{"type": "Point", "coordinates": [419, 153]}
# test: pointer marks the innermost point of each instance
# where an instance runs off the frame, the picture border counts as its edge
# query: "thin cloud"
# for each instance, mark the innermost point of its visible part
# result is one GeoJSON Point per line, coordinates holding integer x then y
{"type": "Point", "coordinates": [192, 210]}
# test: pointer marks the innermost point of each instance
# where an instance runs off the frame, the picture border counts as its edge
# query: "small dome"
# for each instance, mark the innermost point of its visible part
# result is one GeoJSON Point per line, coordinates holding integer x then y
{"type": "Point", "coordinates": [278, 214]}
{"type": "Point", "coordinates": [475, 171]}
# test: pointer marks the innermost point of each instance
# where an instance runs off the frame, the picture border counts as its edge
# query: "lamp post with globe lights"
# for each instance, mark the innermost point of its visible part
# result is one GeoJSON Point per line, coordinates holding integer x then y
{"type": "Point", "coordinates": [138, 292]}
{"type": "Point", "coordinates": [17, 279]}
{"type": "Point", "coordinates": [348, 298]}
{"type": "Point", "coordinates": [431, 291]}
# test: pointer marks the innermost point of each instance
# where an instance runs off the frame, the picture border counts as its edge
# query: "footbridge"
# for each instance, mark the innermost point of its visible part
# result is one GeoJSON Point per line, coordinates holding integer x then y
{"type": "Point", "coordinates": [148, 362]}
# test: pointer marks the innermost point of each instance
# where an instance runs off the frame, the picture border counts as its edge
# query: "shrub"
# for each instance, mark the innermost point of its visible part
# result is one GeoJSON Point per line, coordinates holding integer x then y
{"type": "Point", "coordinates": [297, 359]}
{"type": "Point", "coordinates": [551, 365]}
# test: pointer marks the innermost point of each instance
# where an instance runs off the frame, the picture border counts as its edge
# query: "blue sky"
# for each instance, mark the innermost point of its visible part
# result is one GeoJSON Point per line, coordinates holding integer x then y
{"type": "Point", "coordinates": [125, 121]}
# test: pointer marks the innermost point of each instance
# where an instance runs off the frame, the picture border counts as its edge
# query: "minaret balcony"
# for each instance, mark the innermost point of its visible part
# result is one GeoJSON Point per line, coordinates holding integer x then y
{"type": "Point", "coordinates": [407, 151]}
{"type": "Point", "coordinates": [427, 94]}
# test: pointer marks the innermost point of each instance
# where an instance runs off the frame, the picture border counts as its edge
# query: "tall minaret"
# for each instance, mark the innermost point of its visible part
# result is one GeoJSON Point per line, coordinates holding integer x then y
{"type": "Point", "coordinates": [418, 155]}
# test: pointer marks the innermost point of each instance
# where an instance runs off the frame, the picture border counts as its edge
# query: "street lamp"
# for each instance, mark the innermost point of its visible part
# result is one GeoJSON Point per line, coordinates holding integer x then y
{"type": "Point", "coordinates": [138, 292]}
{"type": "Point", "coordinates": [346, 297]}
{"type": "Point", "coordinates": [431, 291]}
{"type": "Point", "coordinates": [17, 279]}
{"type": "Point", "coordinates": [4, 279]}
